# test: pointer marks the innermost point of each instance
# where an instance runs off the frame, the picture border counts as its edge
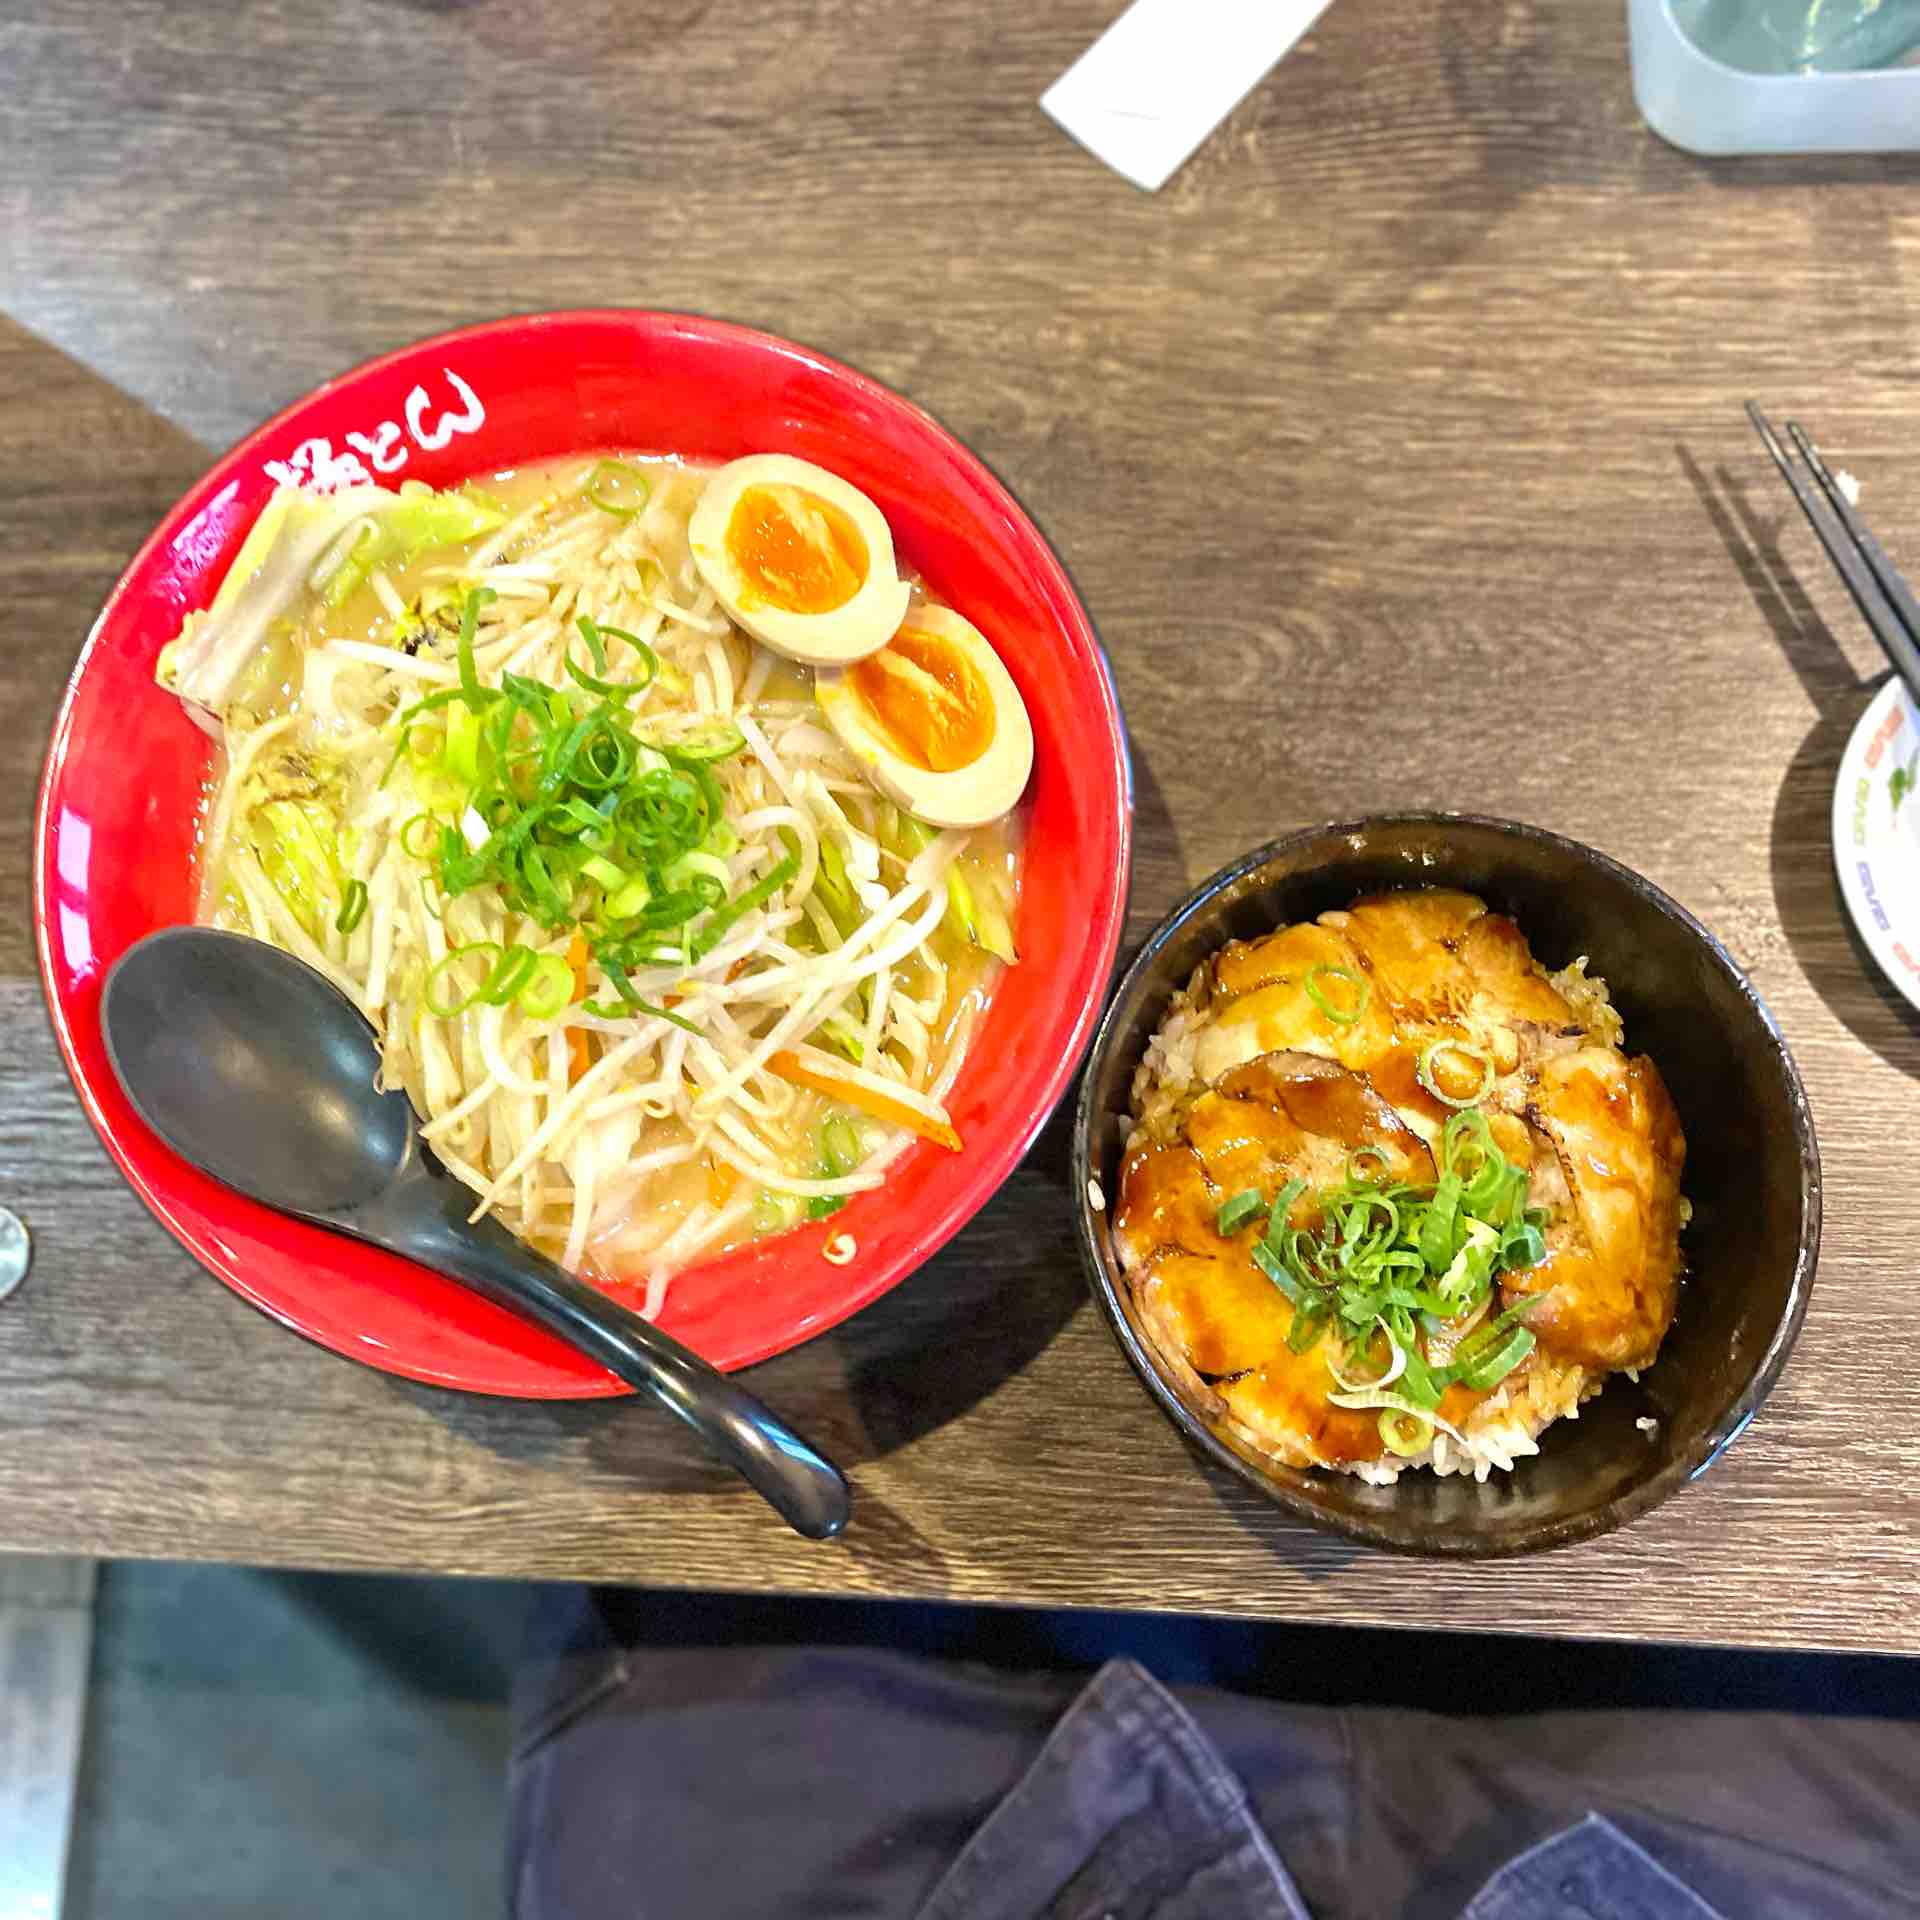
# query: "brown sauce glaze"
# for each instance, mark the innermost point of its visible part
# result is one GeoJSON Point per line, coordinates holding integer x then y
{"type": "Point", "coordinates": [1287, 1398]}
{"type": "Point", "coordinates": [1164, 1202]}
{"type": "Point", "coordinates": [1223, 1314]}
{"type": "Point", "coordinates": [1289, 1093]}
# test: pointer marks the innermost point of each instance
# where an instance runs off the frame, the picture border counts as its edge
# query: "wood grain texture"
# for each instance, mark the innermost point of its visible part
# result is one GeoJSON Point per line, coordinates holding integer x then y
{"type": "Point", "coordinates": [1396, 447]}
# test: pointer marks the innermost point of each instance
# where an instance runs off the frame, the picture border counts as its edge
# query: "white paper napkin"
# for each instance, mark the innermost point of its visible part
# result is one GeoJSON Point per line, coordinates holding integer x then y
{"type": "Point", "coordinates": [1166, 73]}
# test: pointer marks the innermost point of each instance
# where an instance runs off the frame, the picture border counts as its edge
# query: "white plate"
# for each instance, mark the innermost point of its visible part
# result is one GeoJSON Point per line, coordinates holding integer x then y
{"type": "Point", "coordinates": [1876, 834]}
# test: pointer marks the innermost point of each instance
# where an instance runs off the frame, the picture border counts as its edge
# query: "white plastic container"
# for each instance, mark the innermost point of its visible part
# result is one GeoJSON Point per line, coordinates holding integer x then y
{"type": "Point", "coordinates": [1691, 99]}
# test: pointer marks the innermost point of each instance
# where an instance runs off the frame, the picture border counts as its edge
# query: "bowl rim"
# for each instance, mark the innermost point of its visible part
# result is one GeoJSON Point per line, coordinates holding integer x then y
{"type": "Point", "coordinates": [1545, 1534]}
{"type": "Point", "coordinates": [1108, 905]}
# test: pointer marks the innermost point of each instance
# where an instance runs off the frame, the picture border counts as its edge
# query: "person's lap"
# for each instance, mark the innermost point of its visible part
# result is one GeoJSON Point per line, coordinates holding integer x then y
{"type": "Point", "coordinates": [793, 1781]}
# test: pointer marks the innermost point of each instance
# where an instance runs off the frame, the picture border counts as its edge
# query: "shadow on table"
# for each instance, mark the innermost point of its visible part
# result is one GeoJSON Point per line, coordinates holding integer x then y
{"type": "Point", "coordinates": [1764, 173]}
{"type": "Point", "coordinates": [635, 1445]}
{"type": "Point", "coordinates": [85, 472]}
{"type": "Point", "coordinates": [1805, 889]}
{"type": "Point", "coordinates": [1301, 1549]}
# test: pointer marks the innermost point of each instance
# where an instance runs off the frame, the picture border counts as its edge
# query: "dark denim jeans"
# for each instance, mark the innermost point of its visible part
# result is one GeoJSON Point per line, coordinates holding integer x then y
{"type": "Point", "coordinates": [795, 1782]}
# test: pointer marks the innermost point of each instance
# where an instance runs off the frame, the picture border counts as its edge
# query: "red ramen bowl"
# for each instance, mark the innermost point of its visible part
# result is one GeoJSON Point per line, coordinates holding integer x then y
{"type": "Point", "coordinates": [114, 842]}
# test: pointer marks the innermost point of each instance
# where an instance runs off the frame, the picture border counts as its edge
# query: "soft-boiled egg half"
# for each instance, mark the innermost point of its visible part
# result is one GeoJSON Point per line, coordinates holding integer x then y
{"type": "Point", "coordinates": [935, 720]}
{"type": "Point", "coordinates": [799, 558]}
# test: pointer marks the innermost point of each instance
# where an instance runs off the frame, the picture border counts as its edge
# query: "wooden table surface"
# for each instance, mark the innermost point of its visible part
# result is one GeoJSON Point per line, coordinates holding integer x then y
{"type": "Point", "coordinates": [1396, 448]}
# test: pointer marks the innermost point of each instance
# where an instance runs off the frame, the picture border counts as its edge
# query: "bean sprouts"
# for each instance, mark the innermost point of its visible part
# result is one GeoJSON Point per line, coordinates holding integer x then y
{"type": "Point", "coordinates": [673, 1108]}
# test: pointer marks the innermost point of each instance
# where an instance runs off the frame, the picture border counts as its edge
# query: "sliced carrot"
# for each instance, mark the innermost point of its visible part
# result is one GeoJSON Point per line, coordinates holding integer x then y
{"type": "Point", "coordinates": [722, 1180]}
{"type": "Point", "coordinates": [579, 1056]}
{"type": "Point", "coordinates": [896, 1113]}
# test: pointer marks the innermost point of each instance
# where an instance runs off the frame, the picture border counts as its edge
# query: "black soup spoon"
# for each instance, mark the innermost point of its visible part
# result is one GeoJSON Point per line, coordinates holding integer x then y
{"type": "Point", "coordinates": [260, 1071]}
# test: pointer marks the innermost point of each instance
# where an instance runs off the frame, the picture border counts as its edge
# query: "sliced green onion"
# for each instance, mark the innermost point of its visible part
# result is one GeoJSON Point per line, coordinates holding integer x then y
{"type": "Point", "coordinates": [1235, 1213]}
{"type": "Point", "coordinates": [631, 1002]}
{"type": "Point", "coordinates": [627, 1010]}
{"type": "Point", "coordinates": [1276, 1270]}
{"type": "Point", "coordinates": [1282, 1206]}
{"type": "Point", "coordinates": [840, 1152]}
{"type": "Point", "coordinates": [548, 989]}
{"type": "Point", "coordinates": [1421, 1382]}
{"type": "Point", "coordinates": [353, 907]}
{"type": "Point", "coordinates": [1487, 1368]}
{"type": "Point", "coordinates": [596, 682]}
{"type": "Point", "coordinates": [1407, 1263]}
{"type": "Point", "coordinates": [1439, 1236]}
{"type": "Point", "coordinates": [1399, 1352]}
{"type": "Point", "coordinates": [420, 837]}
{"type": "Point", "coordinates": [630, 899]}
{"type": "Point", "coordinates": [1467, 1145]}
{"type": "Point", "coordinates": [512, 972]}
{"type": "Point", "coordinates": [471, 690]}
{"type": "Point", "coordinates": [1491, 1352]}
{"type": "Point", "coordinates": [1424, 1071]}
{"type": "Point", "coordinates": [1406, 1434]}
{"type": "Point", "coordinates": [1487, 1188]}
{"type": "Point", "coordinates": [1522, 1246]}
{"type": "Point", "coordinates": [1514, 1208]}
{"type": "Point", "coordinates": [609, 473]}
{"type": "Point", "coordinates": [1471, 1267]}
{"type": "Point", "coordinates": [443, 1006]}
{"type": "Point", "coordinates": [840, 1148]}
{"type": "Point", "coordinates": [1376, 1398]}
{"type": "Point", "coordinates": [717, 740]}
{"type": "Point", "coordinates": [543, 789]}
{"type": "Point", "coordinates": [688, 869]}
{"type": "Point", "coordinates": [1357, 1173]}
{"type": "Point", "coordinates": [1353, 1224]}
{"type": "Point", "coordinates": [1341, 1016]}
{"type": "Point", "coordinates": [756, 895]}
{"type": "Point", "coordinates": [1307, 1329]}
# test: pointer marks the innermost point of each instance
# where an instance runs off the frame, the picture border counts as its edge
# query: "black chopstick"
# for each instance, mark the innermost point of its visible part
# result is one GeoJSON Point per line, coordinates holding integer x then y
{"type": "Point", "coordinates": [1885, 600]}
{"type": "Point", "coordinates": [1886, 575]}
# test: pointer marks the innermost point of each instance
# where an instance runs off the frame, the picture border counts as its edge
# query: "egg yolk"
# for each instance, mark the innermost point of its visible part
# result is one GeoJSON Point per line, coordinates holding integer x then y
{"type": "Point", "coordinates": [928, 699]}
{"type": "Point", "coordinates": [795, 550]}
